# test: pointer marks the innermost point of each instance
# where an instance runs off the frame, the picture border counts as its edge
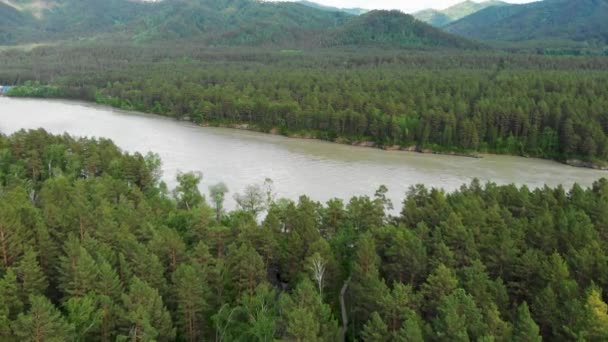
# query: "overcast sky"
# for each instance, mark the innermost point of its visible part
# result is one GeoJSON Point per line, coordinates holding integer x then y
{"type": "Point", "coordinates": [404, 5]}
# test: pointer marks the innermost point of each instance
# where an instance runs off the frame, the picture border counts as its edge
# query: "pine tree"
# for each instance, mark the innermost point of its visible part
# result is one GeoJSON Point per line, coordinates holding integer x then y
{"type": "Point", "coordinates": [375, 330]}
{"type": "Point", "coordinates": [6, 333]}
{"type": "Point", "coordinates": [458, 318]}
{"type": "Point", "coordinates": [366, 285]}
{"type": "Point", "coordinates": [190, 293]}
{"type": "Point", "coordinates": [13, 234]}
{"type": "Point", "coordinates": [33, 280]}
{"type": "Point", "coordinates": [247, 269]}
{"type": "Point", "coordinates": [42, 323]}
{"type": "Point", "coordinates": [524, 328]}
{"type": "Point", "coordinates": [410, 331]}
{"type": "Point", "coordinates": [77, 269]}
{"type": "Point", "coordinates": [597, 317]}
{"type": "Point", "coordinates": [146, 314]}
{"type": "Point", "coordinates": [84, 316]}
{"type": "Point", "coordinates": [307, 317]}
{"type": "Point", "coordinates": [9, 295]}
{"type": "Point", "coordinates": [170, 248]}
{"type": "Point", "coordinates": [442, 282]}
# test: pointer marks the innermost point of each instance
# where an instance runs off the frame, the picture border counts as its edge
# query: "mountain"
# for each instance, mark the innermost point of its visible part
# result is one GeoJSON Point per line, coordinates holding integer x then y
{"type": "Point", "coordinates": [393, 28]}
{"type": "Point", "coordinates": [549, 23]}
{"type": "Point", "coordinates": [216, 23]}
{"type": "Point", "coordinates": [353, 11]}
{"type": "Point", "coordinates": [12, 18]}
{"type": "Point", "coordinates": [440, 18]}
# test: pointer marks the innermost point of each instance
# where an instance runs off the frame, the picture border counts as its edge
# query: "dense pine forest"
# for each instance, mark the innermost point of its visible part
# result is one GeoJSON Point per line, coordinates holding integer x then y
{"type": "Point", "coordinates": [442, 100]}
{"type": "Point", "coordinates": [94, 248]}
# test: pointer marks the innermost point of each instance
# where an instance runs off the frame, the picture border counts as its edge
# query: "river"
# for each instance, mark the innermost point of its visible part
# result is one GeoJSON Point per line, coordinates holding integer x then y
{"type": "Point", "coordinates": [321, 170]}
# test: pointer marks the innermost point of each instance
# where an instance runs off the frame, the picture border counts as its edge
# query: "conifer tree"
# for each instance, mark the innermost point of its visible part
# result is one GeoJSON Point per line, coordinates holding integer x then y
{"type": "Point", "coordinates": [78, 271]}
{"type": "Point", "coordinates": [146, 314]}
{"type": "Point", "coordinates": [42, 323]}
{"type": "Point", "coordinates": [10, 302]}
{"type": "Point", "coordinates": [525, 329]}
{"type": "Point", "coordinates": [597, 316]}
{"type": "Point", "coordinates": [32, 278]}
{"type": "Point", "coordinates": [84, 316]}
{"type": "Point", "coordinates": [190, 293]}
{"type": "Point", "coordinates": [307, 317]}
{"type": "Point", "coordinates": [375, 330]}
{"type": "Point", "coordinates": [247, 269]}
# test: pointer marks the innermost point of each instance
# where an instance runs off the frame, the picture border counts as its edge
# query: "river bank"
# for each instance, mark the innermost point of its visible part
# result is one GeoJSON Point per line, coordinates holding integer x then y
{"type": "Point", "coordinates": [344, 141]}
{"type": "Point", "coordinates": [573, 162]}
{"type": "Point", "coordinates": [320, 169]}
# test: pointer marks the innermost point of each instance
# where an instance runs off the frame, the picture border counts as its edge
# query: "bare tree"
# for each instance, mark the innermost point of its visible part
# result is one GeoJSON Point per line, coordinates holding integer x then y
{"type": "Point", "coordinates": [317, 267]}
{"type": "Point", "coordinates": [252, 199]}
{"type": "Point", "coordinates": [270, 195]}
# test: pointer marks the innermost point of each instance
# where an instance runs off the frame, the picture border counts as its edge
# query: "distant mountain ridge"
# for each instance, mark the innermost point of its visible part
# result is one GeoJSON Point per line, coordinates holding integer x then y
{"type": "Point", "coordinates": [217, 23]}
{"type": "Point", "coordinates": [543, 23]}
{"type": "Point", "coordinates": [440, 18]}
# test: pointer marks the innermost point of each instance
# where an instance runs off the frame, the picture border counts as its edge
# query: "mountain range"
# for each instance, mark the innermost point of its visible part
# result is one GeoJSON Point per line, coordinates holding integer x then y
{"type": "Point", "coordinates": [581, 24]}
{"type": "Point", "coordinates": [214, 23]}
{"type": "Point", "coordinates": [440, 18]}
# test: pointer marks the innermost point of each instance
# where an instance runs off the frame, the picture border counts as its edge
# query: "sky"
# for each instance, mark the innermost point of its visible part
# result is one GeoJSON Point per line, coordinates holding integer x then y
{"type": "Point", "coordinates": [407, 6]}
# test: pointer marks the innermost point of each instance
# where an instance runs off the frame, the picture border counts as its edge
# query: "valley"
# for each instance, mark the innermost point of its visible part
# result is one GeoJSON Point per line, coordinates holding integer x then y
{"type": "Point", "coordinates": [196, 170]}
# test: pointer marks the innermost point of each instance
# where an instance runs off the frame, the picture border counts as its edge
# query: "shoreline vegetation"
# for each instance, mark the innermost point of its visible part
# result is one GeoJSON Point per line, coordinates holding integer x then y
{"type": "Point", "coordinates": [101, 250]}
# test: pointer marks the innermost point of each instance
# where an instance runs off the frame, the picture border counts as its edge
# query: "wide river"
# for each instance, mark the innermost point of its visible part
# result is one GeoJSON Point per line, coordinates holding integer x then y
{"type": "Point", "coordinates": [319, 169]}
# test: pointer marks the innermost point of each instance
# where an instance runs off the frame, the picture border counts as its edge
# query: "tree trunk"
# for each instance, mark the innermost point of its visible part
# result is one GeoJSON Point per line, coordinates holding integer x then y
{"type": "Point", "coordinates": [3, 239]}
{"type": "Point", "coordinates": [343, 309]}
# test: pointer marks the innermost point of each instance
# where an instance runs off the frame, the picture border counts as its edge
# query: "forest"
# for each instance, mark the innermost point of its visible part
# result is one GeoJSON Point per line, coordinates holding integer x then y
{"type": "Point", "coordinates": [94, 247]}
{"type": "Point", "coordinates": [442, 100]}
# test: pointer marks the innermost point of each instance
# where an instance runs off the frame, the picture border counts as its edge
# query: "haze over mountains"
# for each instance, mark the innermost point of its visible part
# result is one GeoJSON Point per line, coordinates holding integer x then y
{"type": "Point", "coordinates": [549, 23]}
{"type": "Point", "coordinates": [353, 11]}
{"type": "Point", "coordinates": [440, 18]}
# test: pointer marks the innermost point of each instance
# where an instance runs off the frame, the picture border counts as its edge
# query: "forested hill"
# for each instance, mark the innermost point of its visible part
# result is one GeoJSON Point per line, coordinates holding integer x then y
{"type": "Point", "coordinates": [544, 23]}
{"type": "Point", "coordinates": [95, 249]}
{"type": "Point", "coordinates": [10, 18]}
{"type": "Point", "coordinates": [213, 23]}
{"type": "Point", "coordinates": [393, 28]}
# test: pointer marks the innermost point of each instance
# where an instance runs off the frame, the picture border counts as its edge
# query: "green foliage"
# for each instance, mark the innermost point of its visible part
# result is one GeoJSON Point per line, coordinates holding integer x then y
{"type": "Point", "coordinates": [110, 257]}
{"type": "Point", "coordinates": [553, 24]}
{"type": "Point", "coordinates": [535, 106]}
{"type": "Point", "coordinates": [525, 329]}
{"type": "Point", "coordinates": [221, 22]}
{"type": "Point", "coordinates": [393, 28]}
{"type": "Point", "coordinates": [147, 315]}
{"type": "Point", "coordinates": [42, 322]}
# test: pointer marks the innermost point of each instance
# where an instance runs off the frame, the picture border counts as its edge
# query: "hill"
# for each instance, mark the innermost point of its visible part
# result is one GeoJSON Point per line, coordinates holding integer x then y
{"type": "Point", "coordinates": [393, 28]}
{"type": "Point", "coordinates": [353, 11]}
{"type": "Point", "coordinates": [11, 19]}
{"type": "Point", "coordinates": [549, 23]}
{"type": "Point", "coordinates": [440, 18]}
{"type": "Point", "coordinates": [219, 23]}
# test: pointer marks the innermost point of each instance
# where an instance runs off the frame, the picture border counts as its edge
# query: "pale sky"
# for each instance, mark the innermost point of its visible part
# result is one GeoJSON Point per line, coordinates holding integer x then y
{"type": "Point", "coordinates": [407, 6]}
